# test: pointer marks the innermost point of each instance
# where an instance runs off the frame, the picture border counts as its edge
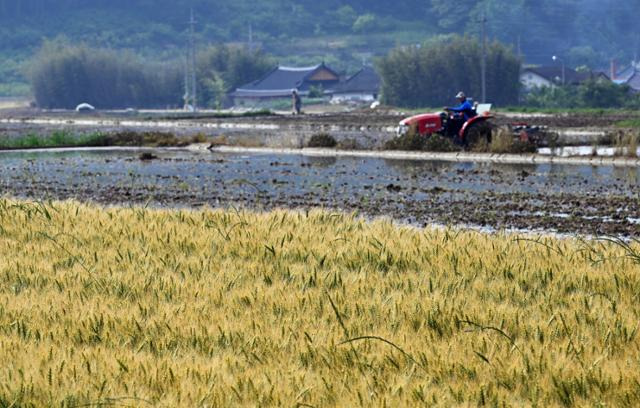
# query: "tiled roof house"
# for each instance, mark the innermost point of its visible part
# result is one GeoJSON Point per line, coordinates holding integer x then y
{"type": "Point", "coordinates": [533, 77]}
{"type": "Point", "coordinates": [363, 86]}
{"type": "Point", "coordinates": [629, 76]}
{"type": "Point", "coordinates": [281, 81]}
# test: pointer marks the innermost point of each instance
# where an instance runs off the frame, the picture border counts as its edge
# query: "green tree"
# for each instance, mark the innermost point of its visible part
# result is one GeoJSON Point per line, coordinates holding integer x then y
{"type": "Point", "coordinates": [452, 15]}
{"type": "Point", "coordinates": [590, 94]}
{"type": "Point", "coordinates": [430, 75]}
{"type": "Point", "coordinates": [365, 23]}
{"type": "Point", "coordinates": [316, 91]}
{"type": "Point", "coordinates": [346, 16]}
{"type": "Point", "coordinates": [223, 68]}
{"type": "Point", "coordinates": [583, 55]}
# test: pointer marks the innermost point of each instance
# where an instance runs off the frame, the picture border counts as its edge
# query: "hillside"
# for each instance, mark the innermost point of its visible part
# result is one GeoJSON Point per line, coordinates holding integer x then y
{"type": "Point", "coordinates": [306, 32]}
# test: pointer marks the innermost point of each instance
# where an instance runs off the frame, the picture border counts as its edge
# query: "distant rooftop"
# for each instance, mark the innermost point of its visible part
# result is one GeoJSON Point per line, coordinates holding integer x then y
{"type": "Point", "coordinates": [366, 80]}
{"type": "Point", "coordinates": [634, 81]}
{"type": "Point", "coordinates": [553, 73]}
{"type": "Point", "coordinates": [282, 80]}
{"type": "Point", "coordinates": [299, 69]}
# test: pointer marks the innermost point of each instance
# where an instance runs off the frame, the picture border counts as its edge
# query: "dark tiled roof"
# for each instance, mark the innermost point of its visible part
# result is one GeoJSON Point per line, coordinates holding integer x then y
{"type": "Point", "coordinates": [625, 74]}
{"type": "Point", "coordinates": [634, 81]}
{"type": "Point", "coordinates": [280, 82]}
{"type": "Point", "coordinates": [366, 80]}
{"type": "Point", "coordinates": [601, 75]}
{"type": "Point", "coordinates": [553, 73]}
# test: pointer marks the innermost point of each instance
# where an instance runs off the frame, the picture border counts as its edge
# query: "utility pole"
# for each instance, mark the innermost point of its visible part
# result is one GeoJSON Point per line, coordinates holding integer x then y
{"type": "Point", "coordinates": [191, 88]}
{"type": "Point", "coordinates": [556, 58]}
{"type": "Point", "coordinates": [187, 82]}
{"type": "Point", "coordinates": [250, 38]}
{"type": "Point", "coordinates": [483, 63]}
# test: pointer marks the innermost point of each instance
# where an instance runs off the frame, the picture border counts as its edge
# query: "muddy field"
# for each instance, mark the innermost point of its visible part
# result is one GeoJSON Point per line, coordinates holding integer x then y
{"type": "Point", "coordinates": [391, 118]}
{"type": "Point", "coordinates": [364, 117]}
{"type": "Point", "coordinates": [561, 198]}
{"type": "Point", "coordinates": [363, 130]}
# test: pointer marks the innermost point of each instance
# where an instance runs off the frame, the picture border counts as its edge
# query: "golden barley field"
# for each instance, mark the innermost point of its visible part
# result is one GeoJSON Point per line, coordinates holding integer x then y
{"type": "Point", "coordinates": [178, 308]}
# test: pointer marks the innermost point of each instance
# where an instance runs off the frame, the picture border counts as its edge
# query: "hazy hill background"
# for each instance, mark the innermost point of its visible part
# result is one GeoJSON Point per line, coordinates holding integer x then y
{"type": "Point", "coordinates": [582, 32]}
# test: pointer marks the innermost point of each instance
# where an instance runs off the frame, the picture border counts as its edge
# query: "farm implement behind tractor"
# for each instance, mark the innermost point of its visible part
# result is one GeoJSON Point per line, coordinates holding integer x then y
{"type": "Point", "coordinates": [478, 129]}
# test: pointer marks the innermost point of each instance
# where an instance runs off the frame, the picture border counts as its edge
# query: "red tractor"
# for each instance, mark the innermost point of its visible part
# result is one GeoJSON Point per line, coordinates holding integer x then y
{"type": "Point", "coordinates": [451, 125]}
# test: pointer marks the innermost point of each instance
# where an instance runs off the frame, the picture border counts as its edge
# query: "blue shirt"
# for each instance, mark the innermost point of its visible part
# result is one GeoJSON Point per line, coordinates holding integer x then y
{"type": "Point", "coordinates": [465, 108]}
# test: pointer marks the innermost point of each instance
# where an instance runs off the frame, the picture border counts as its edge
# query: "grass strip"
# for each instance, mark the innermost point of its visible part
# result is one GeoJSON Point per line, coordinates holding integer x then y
{"type": "Point", "coordinates": [629, 123]}
{"type": "Point", "coordinates": [59, 139]}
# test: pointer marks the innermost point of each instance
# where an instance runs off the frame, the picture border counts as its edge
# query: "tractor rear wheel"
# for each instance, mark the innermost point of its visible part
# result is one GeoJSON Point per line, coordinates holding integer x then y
{"type": "Point", "coordinates": [478, 136]}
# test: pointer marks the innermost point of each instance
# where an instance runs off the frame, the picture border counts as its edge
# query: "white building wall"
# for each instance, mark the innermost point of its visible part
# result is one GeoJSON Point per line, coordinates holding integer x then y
{"type": "Point", "coordinates": [530, 80]}
{"type": "Point", "coordinates": [352, 97]}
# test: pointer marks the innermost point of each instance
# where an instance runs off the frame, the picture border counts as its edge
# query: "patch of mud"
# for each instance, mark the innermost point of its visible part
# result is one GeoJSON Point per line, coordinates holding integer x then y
{"type": "Point", "coordinates": [565, 199]}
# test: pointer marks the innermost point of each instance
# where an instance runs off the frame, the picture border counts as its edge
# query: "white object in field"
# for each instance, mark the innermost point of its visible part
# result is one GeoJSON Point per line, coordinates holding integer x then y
{"type": "Point", "coordinates": [375, 104]}
{"type": "Point", "coordinates": [84, 107]}
{"type": "Point", "coordinates": [483, 108]}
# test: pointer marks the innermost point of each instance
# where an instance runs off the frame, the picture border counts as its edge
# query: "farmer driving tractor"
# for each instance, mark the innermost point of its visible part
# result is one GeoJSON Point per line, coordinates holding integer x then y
{"type": "Point", "coordinates": [461, 113]}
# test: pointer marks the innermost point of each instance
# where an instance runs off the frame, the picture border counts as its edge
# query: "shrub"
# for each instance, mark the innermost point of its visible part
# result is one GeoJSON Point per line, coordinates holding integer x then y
{"type": "Point", "coordinates": [409, 141]}
{"type": "Point", "coordinates": [632, 144]}
{"type": "Point", "coordinates": [316, 91]}
{"type": "Point", "coordinates": [348, 144]}
{"type": "Point", "coordinates": [413, 141]}
{"type": "Point", "coordinates": [198, 138]}
{"type": "Point", "coordinates": [503, 141]}
{"type": "Point", "coordinates": [146, 156]}
{"type": "Point", "coordinates": [438, 143]}
{"type": "Point", "coordinates": [626, 143]}
{"type": "Point", "coordinates": [322, 140]}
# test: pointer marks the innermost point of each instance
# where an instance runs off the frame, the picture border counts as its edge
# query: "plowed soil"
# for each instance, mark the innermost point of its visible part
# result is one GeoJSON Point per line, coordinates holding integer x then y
{"type": "Point", "coordinates": [565, 199]}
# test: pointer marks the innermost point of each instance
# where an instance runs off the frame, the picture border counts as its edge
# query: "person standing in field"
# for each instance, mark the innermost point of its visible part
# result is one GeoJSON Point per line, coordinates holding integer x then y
{"type": "Point", "coordinates": [296, 102]}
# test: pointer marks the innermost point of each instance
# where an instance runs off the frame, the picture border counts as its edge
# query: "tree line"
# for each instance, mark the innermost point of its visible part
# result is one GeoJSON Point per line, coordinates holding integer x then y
{"type": "Point", "coordinates": [598, 94]}
{"type": "Point", "coordinates": [586, 32]}
{"type": "Point", "coordinates": [432, 73]}
{"type": "Point", "coordinates": [63, 75]}
{"type": "Point", "coordinates": [583, 32]}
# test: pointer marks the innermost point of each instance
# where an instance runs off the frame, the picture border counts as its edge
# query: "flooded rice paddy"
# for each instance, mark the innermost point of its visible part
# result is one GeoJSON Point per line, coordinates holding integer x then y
{"type": "Point", "coordinates": [600, 200]}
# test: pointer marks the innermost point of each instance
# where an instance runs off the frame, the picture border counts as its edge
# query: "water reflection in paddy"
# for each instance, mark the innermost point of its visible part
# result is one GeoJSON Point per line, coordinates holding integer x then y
{"type": "Point", "coordinates": [415, 191]}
